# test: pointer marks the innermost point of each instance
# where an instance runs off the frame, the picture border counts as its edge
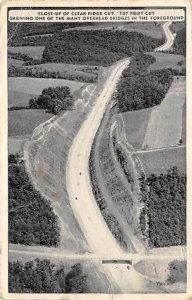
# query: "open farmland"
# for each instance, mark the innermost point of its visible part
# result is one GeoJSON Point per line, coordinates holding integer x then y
{"type": "Point", "coordinates": [166, 60]}
{"type": "Point", "coordinates": [36, 85]}
{"type": "Point", "coordinates": [153, 29]}
{"type": "Point", "coordinates": [135, 124]}
{"type": "Point", "coordinates": [34, 52]}
{"type": "Point", "coordinates": [18, 98]}
{"type": "Point", "coordinates": [156, 162]}
{"type": "Point", "coordinates": [165, 124]}
{"type": "Point", "coordinates": [22, 122]}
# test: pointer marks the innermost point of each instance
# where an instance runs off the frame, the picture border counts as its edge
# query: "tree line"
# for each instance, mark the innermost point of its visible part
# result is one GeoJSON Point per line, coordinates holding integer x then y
{"type": "Point", "coordinates": [37, 73]}
{"type": "Point", "coordinates": [53, 99]}
{"type": "Point", "coordinates": [164, 198]}
{"type": "Point", "coordinates": [139, 88]}
{"type": "Point", "coordinates": [43, 276]}
{"type": "Point", "coordinates": [31, 217]}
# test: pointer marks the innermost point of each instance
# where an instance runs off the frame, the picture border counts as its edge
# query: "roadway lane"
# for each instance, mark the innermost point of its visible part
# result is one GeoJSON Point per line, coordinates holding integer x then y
{"type": "Point", "coordinates": [169, 38]}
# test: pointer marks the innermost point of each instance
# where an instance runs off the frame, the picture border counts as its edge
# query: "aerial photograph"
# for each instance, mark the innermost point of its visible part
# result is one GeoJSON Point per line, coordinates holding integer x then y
{"type": "Point", "coordinates": [97, 157]}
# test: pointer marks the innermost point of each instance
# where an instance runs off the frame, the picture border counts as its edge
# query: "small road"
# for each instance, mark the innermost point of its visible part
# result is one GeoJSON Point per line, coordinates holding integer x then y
{"type": "Point", "coordinates": [169, 37]}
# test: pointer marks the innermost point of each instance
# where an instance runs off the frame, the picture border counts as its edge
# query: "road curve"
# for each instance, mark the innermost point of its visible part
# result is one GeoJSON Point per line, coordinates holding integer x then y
{"type": "Point", "coordinates": [77, 174]}
{"type": "Point", "coordinates": [169, 38]}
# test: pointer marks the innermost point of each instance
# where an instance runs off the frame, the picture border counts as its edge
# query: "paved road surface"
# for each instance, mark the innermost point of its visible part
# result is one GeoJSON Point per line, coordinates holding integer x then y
{"type": "Point", "coordinates": [169, 38]}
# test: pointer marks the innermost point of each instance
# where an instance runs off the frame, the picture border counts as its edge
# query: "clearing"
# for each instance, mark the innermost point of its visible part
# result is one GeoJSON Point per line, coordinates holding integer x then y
{"type": "Point", "coordinates": [166, 60]}
{"type": "Point", "coordinates": [159, 161]}
{"type": "Point", "coordinates": [135, 124]}
{"type": "Point", "coordinates": [35, 52]}
{"type": "Point", "coordinates": [15, 62]}
{"type": "Point", "coordinates": [152, 29]}
{"type": "Point", "coordinates": [36, 85]}
{"type": "Point", "coordinates": [165, 124]}
{"type": "Point", "coordinates": [15, 144]}
{"type": "Point", "coordinates": [22, 122]}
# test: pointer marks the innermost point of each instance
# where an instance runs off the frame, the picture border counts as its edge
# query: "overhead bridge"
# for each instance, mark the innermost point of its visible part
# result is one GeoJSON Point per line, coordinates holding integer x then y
{"type": "Point", "coordinates": [117, 261]}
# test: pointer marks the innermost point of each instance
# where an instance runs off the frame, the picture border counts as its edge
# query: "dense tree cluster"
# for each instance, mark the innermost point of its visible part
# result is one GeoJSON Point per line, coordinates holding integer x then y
{"type": "Point", "coordinates": [177, 271]}
{"type": "Point", "coordinates": [38, 73]}
{"type": "Point", "coordinates": [43, 276]}
{"type": "Point", "coordinates": [179, 45]}
{"type": "Point", "coordinates": [53, 99]}
{"type": "Point", "coordinates": [31, 218]}
{"type": "Point", "coordinates": [164, 198]}
{"type": "Point", "coordinates": [139, 88]}
{"type": "Point", "coordinates": [101, 47]}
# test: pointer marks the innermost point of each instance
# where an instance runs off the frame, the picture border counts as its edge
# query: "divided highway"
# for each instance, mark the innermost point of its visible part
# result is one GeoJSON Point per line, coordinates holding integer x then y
{"type": "Point", "coordinates": [78, 179]}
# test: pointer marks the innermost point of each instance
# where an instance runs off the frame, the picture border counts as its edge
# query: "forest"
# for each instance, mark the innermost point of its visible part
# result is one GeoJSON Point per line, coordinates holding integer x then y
{"type": "Point", "coordinates": [16, 31]}
{"type": "Point", "coordinates": [139, 88]}
{"type": "Point", "coordinates": [53, 99]}
{"type": "Point", "coordinates": [101, 47]}
{"type": "Point", "coordinates": [31, 217]}
{"type": "Point", "coordinates": [37, 73]}
{"type": "Point", "coordinates": [43, 276]}
{"type": "Point", "coordinates": [179, 45]}
{"type": "Point", "coordinates": [164, 198]}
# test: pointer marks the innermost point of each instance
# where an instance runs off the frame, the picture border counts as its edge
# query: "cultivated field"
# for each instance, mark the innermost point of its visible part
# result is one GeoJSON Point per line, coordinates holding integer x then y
{"type": "Point", "coordinates": [22, 122]}
{"type": "Point", "coordinates": [32, 51]}
{"type": "Point", "coordinates": [36, 85]}
{"type": "Point", "coordinates": [135, 124]}
{"type": "Point", "coordinates": [165, 124]}
{"type": "Point", "coordinates": [18, 98]}
{"type": "Point", "coordinates": [166, 60]}
{"type": "Point", "coordinates": [159, 161]}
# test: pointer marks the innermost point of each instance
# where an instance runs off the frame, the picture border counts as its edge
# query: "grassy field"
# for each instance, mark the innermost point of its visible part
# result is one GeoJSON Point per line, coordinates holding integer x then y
{"type": "Point", "coordinates": [135, 124]}
{"type": "Point", "coordinates": [18, 98]}
{"type": "Point", "coordinates": [147, 28]}
{"type": "Point", "coordinates": [22, 122]}
{"type": "Point", "coordinates": [36, 85]}
{"type": "Point", "coordinates": [152, 29]}
{"type": "Point", "coordinates": [176, 26]}
{"type": "Point", "coordinates": [32, 51]}
{"type": "Point", "coordinates": [164, 128]}
{"type": "Point", "coordinates": [159, 161]}
{"type": "Point", "coordinates": [165, 60]}
{"type": "Point", "coordinates": [15, 144]}
{"type": "Point", "coordinates": [15, 62]}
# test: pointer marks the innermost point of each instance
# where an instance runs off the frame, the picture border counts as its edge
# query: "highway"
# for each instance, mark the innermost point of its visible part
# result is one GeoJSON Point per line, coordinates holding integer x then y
{"type": "Point", "coordinates": [77, 174]}
{"type": "Point", "coordinates": [82, 200]}
{"type": "Point", "coordinates": [169, 38]}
